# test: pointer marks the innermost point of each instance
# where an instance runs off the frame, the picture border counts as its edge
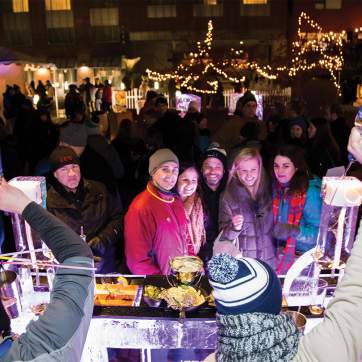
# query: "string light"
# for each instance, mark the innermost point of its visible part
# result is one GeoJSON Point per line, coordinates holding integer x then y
{"type": "Point", "coordinates": [200, 59]}
{"type": "Point", "coordinates": [326, 48]}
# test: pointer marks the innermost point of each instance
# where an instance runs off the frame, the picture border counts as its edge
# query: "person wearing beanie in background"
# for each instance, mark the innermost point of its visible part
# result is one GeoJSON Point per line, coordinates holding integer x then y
{"type": "Point", "coordinates": [60, 333]}
{"type": "Point", "coordinates": [213, 180]}
{"type": "Point", "coordinates": [87, 208]}
{"type": "Point", "coordinates": [298, 131]}
{"type": "Point", "coordinates": [93, 165]}
{"type": "Point", "coordinates": [155, 224]}
{"type": "Point", "coordinates": [228, 135]}
{"type": "Point", "coordinates": [251, 327]}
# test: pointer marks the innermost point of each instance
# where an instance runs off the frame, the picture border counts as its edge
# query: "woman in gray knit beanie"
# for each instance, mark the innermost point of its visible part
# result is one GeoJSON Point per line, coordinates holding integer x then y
{"type": "Point", "coordinates": [250, 328]}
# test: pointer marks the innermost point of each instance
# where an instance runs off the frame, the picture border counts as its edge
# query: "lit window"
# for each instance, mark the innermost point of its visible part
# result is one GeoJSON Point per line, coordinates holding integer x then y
{"type": "Point", "coordinates": [328, 4]}
{"type": "Point", "coordinates": [20, 6]}
{"type": "Point", "coordinates": [161, 11]}
{"type": "Point", "coordinates": [60, 27]}
{"type": "Point", "coordinates": [105, 24]}
{"type": "Point", "coordinates": [104, 17]}
{"type": "Point", "coordinates": [255, 10]}
{"type": "Point", "coordinates": [255, 2]}
{"type": "Point", "coordinates": [208, 10]}
{"type": "Point", "coordinates": [210, 2]}
{"type": "Point", "coordinates": [57, 5]}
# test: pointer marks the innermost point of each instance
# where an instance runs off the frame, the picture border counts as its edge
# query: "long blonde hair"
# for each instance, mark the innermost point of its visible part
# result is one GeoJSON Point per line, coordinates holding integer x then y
{"type": "Point", "coordinates": [244, 155]}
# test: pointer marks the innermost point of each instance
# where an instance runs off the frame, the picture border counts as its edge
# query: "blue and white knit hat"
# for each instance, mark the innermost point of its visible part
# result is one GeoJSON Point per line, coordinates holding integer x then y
{"type": "Point", "coordinates": [244, 285]}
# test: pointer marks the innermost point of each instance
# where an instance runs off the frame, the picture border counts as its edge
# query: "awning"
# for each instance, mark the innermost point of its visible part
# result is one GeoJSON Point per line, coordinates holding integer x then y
{"type": "Point", "coordinates": [8, 56]}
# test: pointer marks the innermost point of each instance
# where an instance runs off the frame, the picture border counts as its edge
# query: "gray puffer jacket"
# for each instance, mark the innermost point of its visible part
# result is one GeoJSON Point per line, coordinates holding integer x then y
{"type": "Point", "coordinates": [255, 237]}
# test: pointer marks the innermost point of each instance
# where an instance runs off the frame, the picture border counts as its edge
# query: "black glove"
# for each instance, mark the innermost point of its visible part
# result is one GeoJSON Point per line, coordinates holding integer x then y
{"type": "Point", "coordinates": [284, 231]}
{"type": "Point", "coordinates": [97, 246]}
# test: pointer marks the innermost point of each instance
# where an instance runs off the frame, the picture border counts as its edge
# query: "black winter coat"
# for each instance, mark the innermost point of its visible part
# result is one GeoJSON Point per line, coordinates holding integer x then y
{"type": "Point", "coordinates": [255, 237]}
{"type": "Point", "coordinates": [92, 208]}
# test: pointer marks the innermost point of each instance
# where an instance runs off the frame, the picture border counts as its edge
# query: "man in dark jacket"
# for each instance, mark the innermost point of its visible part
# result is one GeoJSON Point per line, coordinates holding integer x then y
{"type": "Point", "coordinates": [87, 208]}
{"type": "Point", "coordinates": [213, 181]}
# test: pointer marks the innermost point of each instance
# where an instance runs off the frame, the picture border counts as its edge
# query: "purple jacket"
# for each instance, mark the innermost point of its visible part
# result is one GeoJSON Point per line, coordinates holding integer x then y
{"type": "Point", "coordinates": [255, 237]}
{"type": "Point", "coordinates": [155, 232]}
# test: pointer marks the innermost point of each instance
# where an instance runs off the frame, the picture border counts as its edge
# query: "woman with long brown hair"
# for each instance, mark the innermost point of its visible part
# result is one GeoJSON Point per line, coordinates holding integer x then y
{"type": "Point", "coordinates": [296, 204]}
{"type": "Point", "coordinates": [246, 209]}
{"type": "Point", "coordinates": [190, 194]}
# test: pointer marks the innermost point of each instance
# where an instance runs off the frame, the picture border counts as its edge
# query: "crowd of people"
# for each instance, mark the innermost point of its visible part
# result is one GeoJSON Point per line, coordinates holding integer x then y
{"type": "Point", "coordinates": [175, 188]}
{"type": "Point", "coordinates": [246, 197]}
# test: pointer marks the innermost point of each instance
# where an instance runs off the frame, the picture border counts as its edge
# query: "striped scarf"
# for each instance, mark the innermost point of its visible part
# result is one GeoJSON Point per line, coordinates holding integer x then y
{"type": "Point", "coordinates": [296, 204]}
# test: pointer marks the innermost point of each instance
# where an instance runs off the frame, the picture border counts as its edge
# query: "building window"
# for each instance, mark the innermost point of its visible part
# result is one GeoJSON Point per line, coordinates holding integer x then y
{"type": "Point", "coordinates": [20, 6]}
{"type": "Point", "coordinates": [208, 10]}
{"type": "Point", "coordinates": [51, 5]}
{"type": "Point", "coordinates": [155, 35]}
{"type": "Point", "coordinates": [210, 2]}
{"type": "Point", "coordinates": [105, 24]}
{"type": "Point", "coordinates": [255, 9]}
{"type": "Point", "coordinates": [255, 2]}
{"type": "Point", "coordinates": [161, 11]}
{"type": "Point", "coordinates": [18, 31]}
{"type": "Point", "coordinates": [328, 4]}
{"type": "Point", "coordinates": [60, 26]}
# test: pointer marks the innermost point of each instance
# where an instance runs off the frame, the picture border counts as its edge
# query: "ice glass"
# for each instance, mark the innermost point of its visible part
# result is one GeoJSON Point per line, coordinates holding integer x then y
{"type": "Point", "coordinates": [318, 295]}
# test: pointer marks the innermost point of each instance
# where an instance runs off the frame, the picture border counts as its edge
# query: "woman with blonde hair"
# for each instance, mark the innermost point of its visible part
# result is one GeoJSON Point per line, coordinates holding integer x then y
{"type": "Point", "coordinates": [245, 213]}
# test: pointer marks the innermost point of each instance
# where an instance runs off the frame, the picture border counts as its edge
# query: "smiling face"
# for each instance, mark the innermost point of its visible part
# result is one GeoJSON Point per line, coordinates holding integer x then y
{"type": "Point", "coordinates": [69, 176]}
{"type": "Point", "coordinates": [187, 183]}
{"type": "Point", "coordinates": [165, 176]}
{"type": "Point", "coordinates": [248, 171]}
{"type": "Point", "coordinates": [284, 169]}
{"type": "Point", "coordinates": [213, 171]}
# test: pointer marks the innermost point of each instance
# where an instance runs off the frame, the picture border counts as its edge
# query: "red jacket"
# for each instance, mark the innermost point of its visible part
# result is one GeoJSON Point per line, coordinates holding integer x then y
{"type": "Point", "coordinates": [155, 231]}
{"type": "Point", "coordinates": [107, 94]}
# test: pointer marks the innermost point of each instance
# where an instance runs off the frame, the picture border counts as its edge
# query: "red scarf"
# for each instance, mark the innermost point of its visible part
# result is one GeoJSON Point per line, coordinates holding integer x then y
{"type": "Point", "coordinates": [296, 204]}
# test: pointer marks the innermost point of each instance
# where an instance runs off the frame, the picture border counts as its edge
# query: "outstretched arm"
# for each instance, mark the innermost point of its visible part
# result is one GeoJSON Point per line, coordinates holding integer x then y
{"type": "Point", "coordinates": [62, 330]}
{"type": "Point", "coordinates": [342, 320]}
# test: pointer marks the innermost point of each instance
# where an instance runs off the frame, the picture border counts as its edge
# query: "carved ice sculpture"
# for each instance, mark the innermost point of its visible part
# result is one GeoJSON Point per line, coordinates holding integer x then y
{"type": "Point", "coordinates": [341, 197]}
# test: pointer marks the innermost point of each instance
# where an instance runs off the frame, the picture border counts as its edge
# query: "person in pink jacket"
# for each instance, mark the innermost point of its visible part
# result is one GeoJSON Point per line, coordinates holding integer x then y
{"type": "Point", "coordinates": [155, 224]}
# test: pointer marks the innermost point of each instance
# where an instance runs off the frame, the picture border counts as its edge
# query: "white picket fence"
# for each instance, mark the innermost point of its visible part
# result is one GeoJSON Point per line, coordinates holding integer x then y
{"type": "Point", "coordinates": [136, 98]}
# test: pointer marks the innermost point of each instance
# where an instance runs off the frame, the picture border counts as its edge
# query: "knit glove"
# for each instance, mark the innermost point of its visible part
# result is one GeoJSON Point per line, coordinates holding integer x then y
{"type": "Point", "coordinates": [284, 231]}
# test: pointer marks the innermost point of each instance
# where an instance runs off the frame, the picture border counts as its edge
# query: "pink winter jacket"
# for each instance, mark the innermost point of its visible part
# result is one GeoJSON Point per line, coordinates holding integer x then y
{"type": "Point", "coordinates": [155, 231]}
